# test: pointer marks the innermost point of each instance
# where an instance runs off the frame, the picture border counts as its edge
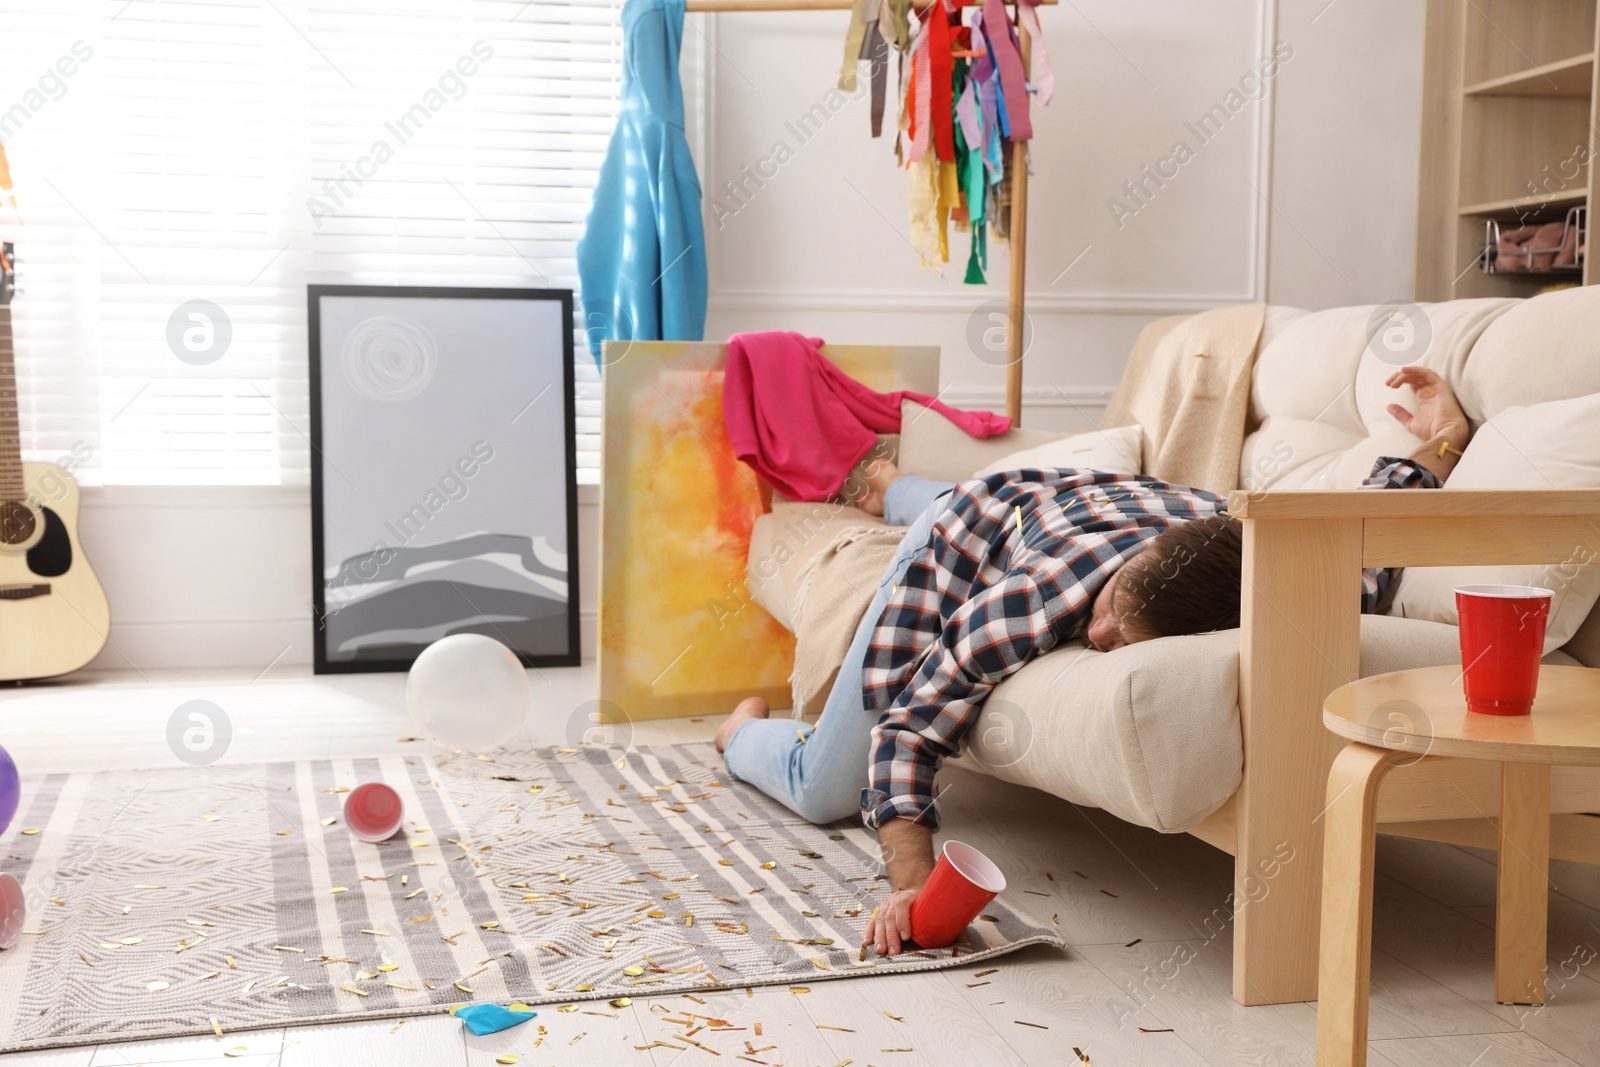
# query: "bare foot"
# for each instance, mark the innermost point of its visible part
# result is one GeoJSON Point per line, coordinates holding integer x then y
{"type": "Point", "coordinates": [749, 708]}
{"type": "Point", "coordinates": [880, 475]}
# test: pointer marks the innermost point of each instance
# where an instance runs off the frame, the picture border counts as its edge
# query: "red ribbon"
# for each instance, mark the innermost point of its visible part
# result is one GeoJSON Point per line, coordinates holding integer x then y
{"type": "Point", "coordinates": [940, 64]}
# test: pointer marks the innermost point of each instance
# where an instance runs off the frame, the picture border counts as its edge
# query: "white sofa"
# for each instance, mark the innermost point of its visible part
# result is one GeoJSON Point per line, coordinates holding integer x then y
{"type": "Point", "coordinates": [1152, 732]}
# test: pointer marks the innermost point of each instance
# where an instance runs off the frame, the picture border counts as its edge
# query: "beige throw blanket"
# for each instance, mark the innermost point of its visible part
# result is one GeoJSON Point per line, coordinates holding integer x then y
{"type": "Point", "coordinates": [834, 590]}
{"type": "Point", "coordinates": [1187, 382]}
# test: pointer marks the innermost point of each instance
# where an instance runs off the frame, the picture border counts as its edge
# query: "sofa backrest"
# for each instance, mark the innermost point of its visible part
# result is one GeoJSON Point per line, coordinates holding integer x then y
{"type": "Point", "coordinates": [1319, 414]}
{"type": "Point", "coordinates": [1318, 399]}
{"type": "Point", "coordinates": [1318, 402]}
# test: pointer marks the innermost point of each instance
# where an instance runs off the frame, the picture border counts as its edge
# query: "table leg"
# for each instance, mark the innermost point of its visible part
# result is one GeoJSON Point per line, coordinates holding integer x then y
{"type": "Point", "coordinates": [1522, 911]}
{"type": "Point", "coordinates": [1349, 844]}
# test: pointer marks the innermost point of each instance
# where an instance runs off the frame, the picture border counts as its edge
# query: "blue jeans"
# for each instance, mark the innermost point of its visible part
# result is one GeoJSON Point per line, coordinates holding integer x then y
{"type": "Point", "coordinates": [821, 778]}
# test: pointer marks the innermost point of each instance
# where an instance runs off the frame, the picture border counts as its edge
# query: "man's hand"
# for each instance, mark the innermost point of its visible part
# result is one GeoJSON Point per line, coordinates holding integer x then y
{"type": "Point", "coordinates": [890, 924]}
{"type": "Point", "coordinates": [1439, 422]}
{"type": "Point", "coordinates": [1438, 414]}
{"type": "Point", "coordinates": [908, 853]}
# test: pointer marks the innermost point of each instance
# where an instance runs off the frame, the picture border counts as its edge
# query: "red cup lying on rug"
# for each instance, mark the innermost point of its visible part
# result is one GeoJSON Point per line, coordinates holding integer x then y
{"type": "Point", "coordinates": [373, 811]}
{"type": "Point", "coordinates": [13, 911]}
{"type": "Point", "coordinates": [962, 882]}
{"type": "Point", "coordinates": [1502, 640]}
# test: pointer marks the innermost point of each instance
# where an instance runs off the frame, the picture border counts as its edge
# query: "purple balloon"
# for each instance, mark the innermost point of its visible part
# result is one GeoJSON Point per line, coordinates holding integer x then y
{"type": "Point", "coordinates": [10, 789]}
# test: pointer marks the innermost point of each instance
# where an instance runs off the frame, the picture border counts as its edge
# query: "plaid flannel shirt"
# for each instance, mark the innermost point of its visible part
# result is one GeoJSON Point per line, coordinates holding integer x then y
{"type": "Point", "coordinates": [1011, 570]}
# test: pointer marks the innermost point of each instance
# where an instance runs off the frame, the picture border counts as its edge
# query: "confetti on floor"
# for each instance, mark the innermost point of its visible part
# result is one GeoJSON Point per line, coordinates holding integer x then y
{"type": "Point", "coordinates": [639, 875]}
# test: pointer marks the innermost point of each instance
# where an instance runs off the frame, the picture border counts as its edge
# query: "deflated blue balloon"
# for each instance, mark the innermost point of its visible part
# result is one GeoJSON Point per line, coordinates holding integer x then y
{"type": "Point", "coordinates": [490, 1018]}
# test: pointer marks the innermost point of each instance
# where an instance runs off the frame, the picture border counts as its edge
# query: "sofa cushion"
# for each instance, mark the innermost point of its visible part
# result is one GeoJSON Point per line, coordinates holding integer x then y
{"type": "Point", "coordinates": [1116, 451]}
{"type": "Point", "coordinates": [784, 540]}
{"type": "Point", "coordinates": [1554, 445]}
{"type": "Point", "coordinates": [1318, 399]}
{"type": "Point", "coordinates": [1544, 348]}
{"type": "Point", "coordinates": [1584, 647]}
{"type": "Point", "coordinates": [1150, 732]}
{"type": "Point", "coordinates": [931, 446]}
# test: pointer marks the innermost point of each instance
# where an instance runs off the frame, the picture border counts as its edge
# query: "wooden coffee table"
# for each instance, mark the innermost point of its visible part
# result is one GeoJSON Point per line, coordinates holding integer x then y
{"type": "Point", "coordinates": [1396, 719]}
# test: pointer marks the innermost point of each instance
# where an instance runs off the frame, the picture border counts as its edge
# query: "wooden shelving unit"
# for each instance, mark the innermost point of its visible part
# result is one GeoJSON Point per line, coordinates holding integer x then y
{"type": "Point", "coordinates": [1518, 206]}
{"type": "Point", "coordinates": [1564, 77]}
{"type": "Point", "coordinates": [1508, 129]}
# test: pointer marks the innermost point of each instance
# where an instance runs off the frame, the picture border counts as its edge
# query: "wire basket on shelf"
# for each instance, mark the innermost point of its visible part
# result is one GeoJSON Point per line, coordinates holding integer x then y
{"type": "Point", "coordinates": [1565, 256]}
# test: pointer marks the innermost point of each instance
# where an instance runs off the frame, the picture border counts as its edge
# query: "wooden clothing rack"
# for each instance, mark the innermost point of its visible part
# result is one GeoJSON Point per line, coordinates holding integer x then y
{"type": "Point", "coordinates": [1015, 319]}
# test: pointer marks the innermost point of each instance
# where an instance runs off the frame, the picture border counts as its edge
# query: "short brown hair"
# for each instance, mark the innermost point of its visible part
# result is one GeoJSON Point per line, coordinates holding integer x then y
{"type": "Point", "coordinates": [1187, 581]}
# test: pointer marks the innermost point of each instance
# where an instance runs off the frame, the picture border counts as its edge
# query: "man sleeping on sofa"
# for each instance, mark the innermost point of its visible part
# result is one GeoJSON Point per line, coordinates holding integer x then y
{"type": "Point", "coordinates": [989, 574]}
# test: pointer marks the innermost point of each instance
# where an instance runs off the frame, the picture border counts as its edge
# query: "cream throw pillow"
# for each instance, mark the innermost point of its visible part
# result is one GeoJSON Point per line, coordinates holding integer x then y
{"type": "Point", "coordinates": [1115, 451]}
{"type": "Point", "coordinates": [931, 446]}
{"type": "Point", "coordinates": [1555, 445]}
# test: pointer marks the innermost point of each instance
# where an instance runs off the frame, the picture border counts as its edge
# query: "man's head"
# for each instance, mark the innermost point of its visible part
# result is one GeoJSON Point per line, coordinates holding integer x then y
{"type": "Point", "coordinates": [1186, 581]}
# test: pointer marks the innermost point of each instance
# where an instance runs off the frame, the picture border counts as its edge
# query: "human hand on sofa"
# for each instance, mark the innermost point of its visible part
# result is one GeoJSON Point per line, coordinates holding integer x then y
{"type": "Point", "coordinates": [1438, 414]}
{"type": "Point", "coordinates": [1439, 420]}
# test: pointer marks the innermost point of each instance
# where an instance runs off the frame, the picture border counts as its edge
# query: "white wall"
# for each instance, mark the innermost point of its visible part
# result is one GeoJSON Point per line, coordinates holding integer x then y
{"type": "Point", "coordinates": [1344, 161]}
{"type": "Point", "coordinates": [1306, 197]}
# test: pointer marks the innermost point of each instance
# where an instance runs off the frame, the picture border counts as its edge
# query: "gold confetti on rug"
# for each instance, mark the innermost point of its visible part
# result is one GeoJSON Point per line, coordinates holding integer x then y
{"type": "Point", "coordinates": [554, 877]}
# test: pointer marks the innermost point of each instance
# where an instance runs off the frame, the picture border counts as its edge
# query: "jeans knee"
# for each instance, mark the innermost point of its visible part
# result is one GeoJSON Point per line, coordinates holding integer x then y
{"type": "Point", "coordinates": [819, 807]}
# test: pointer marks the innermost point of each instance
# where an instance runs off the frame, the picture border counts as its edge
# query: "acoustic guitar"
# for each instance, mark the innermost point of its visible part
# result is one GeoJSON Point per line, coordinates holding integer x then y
{"type": "Point", "coordinates": [53, 613]}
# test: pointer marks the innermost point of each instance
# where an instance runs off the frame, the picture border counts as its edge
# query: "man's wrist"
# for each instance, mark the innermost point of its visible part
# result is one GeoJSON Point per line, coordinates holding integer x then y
{"type": "Point", "coordinates": [1440, 453]}
{"type": "Point", "coordinates": [1455, 435]}
{"type": "Point", "coordinates": [907, 852]}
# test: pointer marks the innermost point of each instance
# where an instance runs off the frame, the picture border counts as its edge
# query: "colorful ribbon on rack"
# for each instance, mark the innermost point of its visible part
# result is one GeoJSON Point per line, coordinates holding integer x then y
{"type": "Point", "coordinates": [964, 100]}
{"type": "Point", "coordinates": [964, 103]}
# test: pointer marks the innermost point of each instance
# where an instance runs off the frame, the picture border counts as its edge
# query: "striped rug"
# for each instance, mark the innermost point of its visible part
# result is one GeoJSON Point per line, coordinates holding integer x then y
{"type": "Point", "coordinates": [173, 902]}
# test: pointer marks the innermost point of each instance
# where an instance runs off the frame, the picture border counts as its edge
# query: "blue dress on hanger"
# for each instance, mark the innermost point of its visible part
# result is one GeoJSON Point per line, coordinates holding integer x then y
{"type": "Point", "coordinates": [642, 258]}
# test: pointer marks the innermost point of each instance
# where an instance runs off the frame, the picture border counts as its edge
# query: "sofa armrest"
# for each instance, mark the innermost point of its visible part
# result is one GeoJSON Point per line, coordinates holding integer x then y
{"type": "Point", "coordinates": [1444, 527]}
{"type": "Point", "coordinates": [1413, 504]}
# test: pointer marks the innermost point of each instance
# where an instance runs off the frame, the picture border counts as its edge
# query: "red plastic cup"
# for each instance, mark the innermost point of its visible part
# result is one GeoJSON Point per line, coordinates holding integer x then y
{"type": "Point", "coordinates": [13, 911]}
{"type": "Point", "coordinates": [962, 883]}
{"type": "Point", "coordinates": [373, 811]}
{"type": "Point", "coordinates": [1502, 640]}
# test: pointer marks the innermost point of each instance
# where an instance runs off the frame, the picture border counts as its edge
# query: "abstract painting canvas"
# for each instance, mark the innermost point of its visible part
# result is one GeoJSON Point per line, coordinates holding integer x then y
{"type": "Point", "coordinates": [679, 633]}
{"type": "Point", "coordinates": [444, 491]}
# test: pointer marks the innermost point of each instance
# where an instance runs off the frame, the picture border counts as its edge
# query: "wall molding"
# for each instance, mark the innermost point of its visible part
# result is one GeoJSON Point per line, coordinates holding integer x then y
{"type": "Point", "coordinates": [905, 300]}
{"type": "Point", "coordinates": [229, 496]}
{"type": "Point", "coordinates": [1262, 128]}
{"type": "Point", "coordinates": [148, 644]}
{"type": "Point", "coordinates": [1076, 397]}
{"type": "Point", "coordinates": [297, 619]}
{"type": "Point", "coordinates": [100, 497]}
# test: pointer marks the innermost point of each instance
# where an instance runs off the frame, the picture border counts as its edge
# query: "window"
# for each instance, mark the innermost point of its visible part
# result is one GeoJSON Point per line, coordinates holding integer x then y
{"type": "Point", "coordinates": [185, 169]}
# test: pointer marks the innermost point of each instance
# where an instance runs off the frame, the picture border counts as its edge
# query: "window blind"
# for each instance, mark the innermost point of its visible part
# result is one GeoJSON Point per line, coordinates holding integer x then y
{"type": "Point", "coordinates": [185, 169]}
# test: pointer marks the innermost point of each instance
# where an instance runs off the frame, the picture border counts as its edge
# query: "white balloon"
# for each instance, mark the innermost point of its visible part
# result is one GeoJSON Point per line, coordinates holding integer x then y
{"type": "Point", "coordinates": [468, 691]}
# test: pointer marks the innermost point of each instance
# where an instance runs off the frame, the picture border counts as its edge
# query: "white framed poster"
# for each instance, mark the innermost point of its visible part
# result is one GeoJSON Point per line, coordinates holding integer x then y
{"type": "Point", "coordinates": [443, 473]}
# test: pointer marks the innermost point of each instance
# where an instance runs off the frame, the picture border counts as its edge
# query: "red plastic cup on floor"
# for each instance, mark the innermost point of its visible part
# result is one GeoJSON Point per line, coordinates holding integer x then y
{"type": "Point", "coordinates": [962, 883]}
{"type": "Point", "coordinates": [373, 811]}
{"type": "Point", "coordinates": [1502, 640]}
{"type": "Point", "coordinates": [13, 911]}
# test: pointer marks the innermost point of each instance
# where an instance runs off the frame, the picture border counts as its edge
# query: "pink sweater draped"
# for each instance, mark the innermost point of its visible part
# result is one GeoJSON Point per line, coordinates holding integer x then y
{"type": "Point", "coordinates": [802, 423]}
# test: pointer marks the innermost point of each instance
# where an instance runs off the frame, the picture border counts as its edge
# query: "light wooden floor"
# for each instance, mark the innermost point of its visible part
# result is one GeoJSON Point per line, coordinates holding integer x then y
{"type": "Point", "coordinates": [1146, 980]}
